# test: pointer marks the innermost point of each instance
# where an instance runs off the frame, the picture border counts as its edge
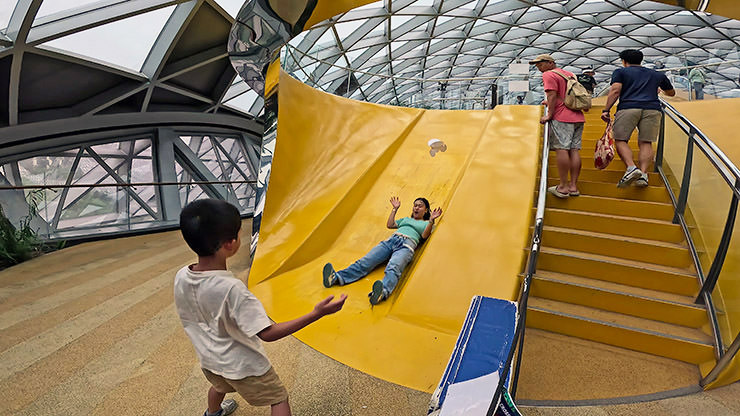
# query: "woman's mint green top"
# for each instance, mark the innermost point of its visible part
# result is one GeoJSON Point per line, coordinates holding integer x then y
{"type": "Point", "coordinates": [411, 228]}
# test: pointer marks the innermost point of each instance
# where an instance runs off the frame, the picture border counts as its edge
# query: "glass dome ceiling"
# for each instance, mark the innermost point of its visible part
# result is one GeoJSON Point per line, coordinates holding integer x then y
{"type": "Point", "coordinates": [157, 55]}
{"type": "Point", "coordinates": [65, 58]}
{"type": "Point", "coordinates": [395, 51]}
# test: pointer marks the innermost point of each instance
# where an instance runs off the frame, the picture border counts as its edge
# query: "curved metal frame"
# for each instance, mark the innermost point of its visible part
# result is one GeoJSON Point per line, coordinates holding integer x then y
{"type": "Point", "coordinates": [169, 70]}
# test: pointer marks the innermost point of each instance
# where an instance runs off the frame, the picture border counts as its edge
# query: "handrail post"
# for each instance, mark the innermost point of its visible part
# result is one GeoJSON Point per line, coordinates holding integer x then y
{"type": "Point", "coordinates": [685, 180]}
{"type": "Point", "coordinates": [661, 141]}
{"type": "Point", "coordinates": [724, 245]}
{"type": "Point", "coordinates": [531, 270]}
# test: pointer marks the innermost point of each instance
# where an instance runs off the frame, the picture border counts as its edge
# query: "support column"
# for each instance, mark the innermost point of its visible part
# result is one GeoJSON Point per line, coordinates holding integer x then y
{"type": "Point", "coordinates": [168, 196]}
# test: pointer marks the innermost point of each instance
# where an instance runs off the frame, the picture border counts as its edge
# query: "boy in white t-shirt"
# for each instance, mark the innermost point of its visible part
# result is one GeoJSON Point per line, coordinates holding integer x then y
{"type": "Point", "coordinates": [224, 320]}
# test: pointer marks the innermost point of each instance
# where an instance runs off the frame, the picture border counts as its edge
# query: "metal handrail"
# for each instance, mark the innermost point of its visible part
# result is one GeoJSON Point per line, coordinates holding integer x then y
{"type": "Point", "coordinates": [117, 185]}
{"type": "Point", "coordinates": [725, 167]}
{"type": "Point", "coordinates": [679, 203]}
{"type": "Point", "coordinates": [531, 268]}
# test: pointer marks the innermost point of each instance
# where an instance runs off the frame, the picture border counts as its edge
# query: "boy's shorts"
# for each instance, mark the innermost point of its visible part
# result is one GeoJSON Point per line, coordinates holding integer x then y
{"type": "Point", "coordinates": [264, 390]}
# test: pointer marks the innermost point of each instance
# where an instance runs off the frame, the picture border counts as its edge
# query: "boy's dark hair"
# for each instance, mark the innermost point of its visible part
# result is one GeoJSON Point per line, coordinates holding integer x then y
{"type": "Point", "coordinates": [631, 56]}
{"type": "Point", "coordinates": [427, 214]}
{"type": "Point", "coordinates": [208, 223]}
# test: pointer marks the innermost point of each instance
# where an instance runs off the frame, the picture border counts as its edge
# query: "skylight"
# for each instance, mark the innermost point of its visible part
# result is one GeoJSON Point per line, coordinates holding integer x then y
{"type": "Point", "coordinates": [125, 43]}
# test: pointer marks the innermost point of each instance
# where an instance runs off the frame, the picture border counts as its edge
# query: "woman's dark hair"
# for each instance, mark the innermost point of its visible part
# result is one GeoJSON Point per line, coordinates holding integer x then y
{"type": "Point", "coordinates": [427, 214]}
{"type": "Point", "coordinates": [631, 56]}
{"type": "Point", "coordinates": [208, 223]}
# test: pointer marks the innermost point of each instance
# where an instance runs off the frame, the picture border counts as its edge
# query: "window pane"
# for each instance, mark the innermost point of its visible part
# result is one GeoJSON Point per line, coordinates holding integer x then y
{"type": "Point", "coordinates": [124, 43]}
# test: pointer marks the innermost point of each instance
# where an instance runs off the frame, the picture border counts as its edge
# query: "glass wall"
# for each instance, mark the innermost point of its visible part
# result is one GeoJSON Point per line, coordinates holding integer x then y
{"type": "Point", "coordinates": [710, 185]}
{"type": "Point", "coordinates": [118, 186]}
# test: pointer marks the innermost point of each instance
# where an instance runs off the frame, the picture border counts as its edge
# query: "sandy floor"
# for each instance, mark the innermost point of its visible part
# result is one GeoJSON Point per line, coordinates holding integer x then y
{"type": "Point", "coordinates": [92, 330]}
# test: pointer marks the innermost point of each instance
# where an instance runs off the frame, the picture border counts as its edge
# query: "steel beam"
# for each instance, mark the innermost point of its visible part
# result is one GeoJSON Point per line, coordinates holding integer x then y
{"type": "Point", "coordinates": [120, 180]}
{"type": "Point", "coordinates": [166, 42]}
{"type": "Point", "coordinates": [27, 137]}
{"type": "Point", "coordinates": [89, 16]}
{"type": "Point", "coordinates": [163, 154]}
{"type": "Point", "coordinates": [192, 62]}
{"type": "Point", "coordinates": [190, 161]}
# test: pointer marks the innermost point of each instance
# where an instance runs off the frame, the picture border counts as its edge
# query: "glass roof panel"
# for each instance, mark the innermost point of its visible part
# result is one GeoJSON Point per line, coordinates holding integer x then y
{"type": "Point", "coordinates": [345, 29]}
{"type": "Point", "coordinates": [471, 38]}
{"type": "Point", "coordinates": [231, 6]}
{"type": "Point", "coordinates": [326, 40]}
{"type": "Point", "coordinates": [49, 7]}
{"type": "Point", "coordinates": [6, 10]}
{"type": "Point", "coordinates": [397, 21]}
{"type": "Point", "coordinates": [125, 43]}
{"type": "Point", "coordinates": [371, 6]}
{"type": "Point", "coordinates": [244, 101]}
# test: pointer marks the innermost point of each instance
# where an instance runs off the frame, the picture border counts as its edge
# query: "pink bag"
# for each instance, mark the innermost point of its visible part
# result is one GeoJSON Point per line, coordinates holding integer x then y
{"type": "Point", "coordinates": [604, 152]}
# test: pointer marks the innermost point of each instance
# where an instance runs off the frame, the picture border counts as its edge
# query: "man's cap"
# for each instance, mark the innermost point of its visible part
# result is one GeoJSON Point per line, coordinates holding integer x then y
{"type": "Point", "coordinates": [542, 58]}
{"type": "Point", "coordinates": [587, 70]}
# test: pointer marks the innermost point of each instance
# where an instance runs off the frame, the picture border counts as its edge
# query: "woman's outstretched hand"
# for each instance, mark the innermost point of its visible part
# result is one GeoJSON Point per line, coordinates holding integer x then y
{"type": "Point", "coordinates": [436, 213]}
{"type": "Point", "coordinates": [395, 202]}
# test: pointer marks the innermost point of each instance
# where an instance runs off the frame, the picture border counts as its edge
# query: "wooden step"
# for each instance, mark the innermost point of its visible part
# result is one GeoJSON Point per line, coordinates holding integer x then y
{"type": "Point", "coordinates": [615, 224]}
{"type": "Point", "coordinates": [613, 206]}
{"type": "Point", "coordinates": [591, 174]}
{"type": "Point", "coordinates": [618, 270]}
{"type": "Point", "coordinates": [671, 341]}
{"type": "Point", "coordinates": [614, 297]}
{"type": "Point", "coordinates": [610, 190]}
{"type": "Point", "coordinates": [629, 248]}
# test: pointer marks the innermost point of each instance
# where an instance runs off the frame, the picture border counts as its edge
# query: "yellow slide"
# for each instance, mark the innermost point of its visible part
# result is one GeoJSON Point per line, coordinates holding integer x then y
{"type": "Point", "coordinates": [336, 164]}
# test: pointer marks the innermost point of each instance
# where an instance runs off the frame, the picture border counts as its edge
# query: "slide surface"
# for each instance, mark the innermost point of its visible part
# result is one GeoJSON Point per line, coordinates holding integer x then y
{"type": "Point", "coordinates": [336, 164]}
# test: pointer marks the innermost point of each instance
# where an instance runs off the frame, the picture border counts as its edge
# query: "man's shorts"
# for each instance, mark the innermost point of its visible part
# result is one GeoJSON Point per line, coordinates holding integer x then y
{"type": "Point", "coordinates": [646, 121]}
{"type": "Point", "coordinates": [264, 390]}
{"type": "Point", "coordinates": [565, 136]}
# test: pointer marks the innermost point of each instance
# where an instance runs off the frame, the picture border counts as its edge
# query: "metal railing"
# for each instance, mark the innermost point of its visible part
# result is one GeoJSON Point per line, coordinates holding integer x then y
{"type": "Point", "coordinates": [731, 175]}
{"type": "Point", "coordinates": [531, 268]}
{"type": "Point", "coordinates": [118, 185]}
{"type": "Point", "coordinates": [122, 215]}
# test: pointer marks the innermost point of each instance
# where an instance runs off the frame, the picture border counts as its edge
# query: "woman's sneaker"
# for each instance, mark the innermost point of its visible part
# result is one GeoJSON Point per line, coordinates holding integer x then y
{"type": "Point", "coordinates": [330, 276]}
{"type": "Point", "coordinates": [378, 294]}
{"type": "Point", "coordinates": [631, 175]}
{"type": "Point", "coordinates": [642, 181]}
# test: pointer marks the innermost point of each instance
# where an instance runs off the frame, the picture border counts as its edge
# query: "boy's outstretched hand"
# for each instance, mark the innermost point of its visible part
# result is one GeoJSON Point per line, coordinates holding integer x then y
{"type": "Point", "coordinates": [327, 307]}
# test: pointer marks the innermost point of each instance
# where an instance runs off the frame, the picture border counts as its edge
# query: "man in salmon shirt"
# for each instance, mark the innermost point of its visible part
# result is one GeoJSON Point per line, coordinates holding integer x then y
{"type": "Point", "coordinates": [566, 126]}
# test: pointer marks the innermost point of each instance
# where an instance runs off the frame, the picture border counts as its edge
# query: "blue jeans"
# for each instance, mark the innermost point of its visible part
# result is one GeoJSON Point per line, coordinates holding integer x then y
{"type": "Point", "coordinates": [395, 250]}
{"type": "Point", "coordinates": [699, 90]}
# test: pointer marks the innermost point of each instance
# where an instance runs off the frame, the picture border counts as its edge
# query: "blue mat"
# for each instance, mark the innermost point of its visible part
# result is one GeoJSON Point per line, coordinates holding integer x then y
{"type": "Point", "coordinates": [482, 346]}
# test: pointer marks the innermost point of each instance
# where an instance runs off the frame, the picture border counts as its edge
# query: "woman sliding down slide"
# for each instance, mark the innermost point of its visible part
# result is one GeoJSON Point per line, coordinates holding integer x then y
{"type": "Point", "coordinates": [397, 250]}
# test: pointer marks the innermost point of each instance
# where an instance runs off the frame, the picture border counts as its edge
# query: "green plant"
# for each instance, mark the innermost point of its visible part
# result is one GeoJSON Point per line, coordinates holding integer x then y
{"type": "Point", "coordinates": [23, 243]}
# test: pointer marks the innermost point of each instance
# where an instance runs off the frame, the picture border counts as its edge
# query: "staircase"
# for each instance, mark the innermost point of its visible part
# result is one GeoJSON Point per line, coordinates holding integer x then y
{"type": "Point", "coordinates": [614, 269]}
